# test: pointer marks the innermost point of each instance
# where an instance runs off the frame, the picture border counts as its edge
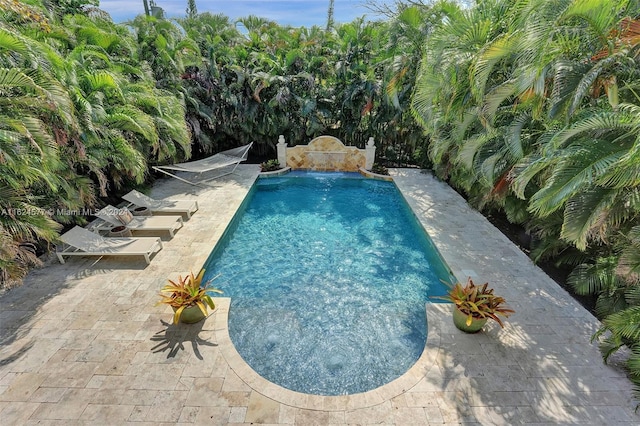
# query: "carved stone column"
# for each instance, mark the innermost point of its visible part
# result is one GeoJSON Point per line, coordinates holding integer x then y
{"type": "Point", "coordinates": [369, 154]}
{"type": "Point", "coordinates": [282, 151]}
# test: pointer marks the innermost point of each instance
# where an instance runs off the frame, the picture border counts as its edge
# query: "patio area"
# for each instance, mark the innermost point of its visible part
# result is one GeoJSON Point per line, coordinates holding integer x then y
{"type": "Point", "coordinates": [85, 343]}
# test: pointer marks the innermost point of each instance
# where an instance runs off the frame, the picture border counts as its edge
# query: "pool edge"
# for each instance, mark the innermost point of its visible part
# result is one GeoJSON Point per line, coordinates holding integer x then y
{"type": "Point", "coordinates": [436, 312]}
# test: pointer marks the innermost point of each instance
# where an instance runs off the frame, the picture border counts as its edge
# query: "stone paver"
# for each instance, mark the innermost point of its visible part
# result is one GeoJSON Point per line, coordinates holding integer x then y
{"type": "Point", "coordinates": [85, 343]}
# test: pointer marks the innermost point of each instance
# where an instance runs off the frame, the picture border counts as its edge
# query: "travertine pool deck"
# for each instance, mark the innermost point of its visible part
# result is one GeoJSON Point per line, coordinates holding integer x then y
{"type": "Point", "coordinates": [84, 342]}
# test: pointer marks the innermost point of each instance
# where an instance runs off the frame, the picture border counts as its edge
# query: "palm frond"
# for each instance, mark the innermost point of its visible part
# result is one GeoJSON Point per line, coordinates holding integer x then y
{"type": "Point", "coordinates": [498, 50]}
{"type": "Point", "coordinates": [618, 122]}
{"type": "Point", "coordinates": [513, 136]}
{"type": "Point", "coordinates": [585, 216]}
{"type": "Point", "coordinates": [13, 43]}
{"type": "Point", "coordinates": [577, 169]}
{"type": "Point", "coordinates": [594, 278]}
{"type": "Point", "coordinates": [625, 324]}
{"type": "Point", "coordinates": [629, 262]}
{"type": "Point", "coordinates": [526, 170]}
{"type": "Point", "coordinates": [582, 88]}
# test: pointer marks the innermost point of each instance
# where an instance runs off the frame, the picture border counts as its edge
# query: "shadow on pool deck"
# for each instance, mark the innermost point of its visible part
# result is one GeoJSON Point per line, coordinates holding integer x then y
{"type": "Point", "coordinates": [174, 337]}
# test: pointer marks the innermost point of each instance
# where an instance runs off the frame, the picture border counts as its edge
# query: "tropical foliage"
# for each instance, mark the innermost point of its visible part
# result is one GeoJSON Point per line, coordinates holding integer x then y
{"type": "Point", "coordinates": [351, 81]}
{"type": "Point", "coordinates": [88, 105]}
{"type": "Point", "coordinates": [532, 109]}
{"type": "Point", "coordinates": [81, 115]}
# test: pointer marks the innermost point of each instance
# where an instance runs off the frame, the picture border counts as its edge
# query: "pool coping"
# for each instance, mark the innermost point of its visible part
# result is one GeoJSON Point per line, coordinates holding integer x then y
{"type": "Point", "coordinates": [364, 172]}
{"type": "Point", "coordinates": [275, 173]}
{"type": "Point", "coordinates": [370, 398]}
{"type": "Point", "coordinates": [398, 386]}
{"type": "Point", "coordinates": [371, 175]}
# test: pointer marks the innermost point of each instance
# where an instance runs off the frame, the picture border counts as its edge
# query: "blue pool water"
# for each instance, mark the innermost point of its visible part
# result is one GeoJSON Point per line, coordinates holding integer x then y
{"type": "Point", "coordinates": [329, 274]}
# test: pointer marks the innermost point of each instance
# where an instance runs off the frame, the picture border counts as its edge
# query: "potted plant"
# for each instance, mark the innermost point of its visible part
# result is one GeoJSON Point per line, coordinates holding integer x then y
{"type": "Point", "coordinates": [270, 166]}
{"type": "Point", "coordinates": [379, 169]}
{"type": "Point", "coordinates": [189, 297]}
{"type": "Point", "coordinates": [474, 305]}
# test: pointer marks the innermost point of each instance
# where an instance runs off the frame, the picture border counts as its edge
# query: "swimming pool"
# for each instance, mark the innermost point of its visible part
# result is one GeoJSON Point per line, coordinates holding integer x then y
{"type": "Point", "coordinates": [328, 275]}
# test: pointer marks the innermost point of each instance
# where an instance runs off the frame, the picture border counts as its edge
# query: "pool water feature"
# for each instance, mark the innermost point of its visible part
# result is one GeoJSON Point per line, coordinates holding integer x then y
{"type": "Point", "coordinates": [328, 275]}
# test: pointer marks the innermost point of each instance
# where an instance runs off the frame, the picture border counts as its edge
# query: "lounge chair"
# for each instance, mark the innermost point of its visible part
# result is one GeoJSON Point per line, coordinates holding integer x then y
{"type": "Point", "coordinates": [231, 157]}
{"type": "Point", "coordinates": [113, 216]}
{"type": "Point", "coordinates": [186, 207]}
{"type": "Point", "coordinates": [82, 242]}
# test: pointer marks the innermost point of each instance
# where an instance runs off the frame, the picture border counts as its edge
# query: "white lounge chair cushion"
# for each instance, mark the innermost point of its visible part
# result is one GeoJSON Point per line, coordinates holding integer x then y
{"type": "Point", "coordinates": [84, 242]}
{"type": "Point", "coordinates": [161, 206]}
{"type": "Point", "coordinates": [153, 222]}
{"type": "Point", "coordinates": [110, 215]}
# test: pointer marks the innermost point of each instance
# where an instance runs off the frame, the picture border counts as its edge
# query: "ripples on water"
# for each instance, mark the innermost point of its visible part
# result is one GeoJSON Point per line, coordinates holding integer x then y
{"type": "Point", "coordinates": [328, 275]}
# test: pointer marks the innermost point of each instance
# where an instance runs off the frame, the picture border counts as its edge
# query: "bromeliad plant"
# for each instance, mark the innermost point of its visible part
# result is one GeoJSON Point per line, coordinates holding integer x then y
{"type": "Point", "coordinates": [478, 301]}
{"type": "Point", "coordinates": [379, 169]}
{"type": "Point", "coordinates": [270, 166]}
{"type": "Point", "coordinates": [186, 292]}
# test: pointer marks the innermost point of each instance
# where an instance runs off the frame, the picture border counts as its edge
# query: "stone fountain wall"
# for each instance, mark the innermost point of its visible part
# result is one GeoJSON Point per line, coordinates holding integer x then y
{"type": "Point", "coordinates": [326, 153]}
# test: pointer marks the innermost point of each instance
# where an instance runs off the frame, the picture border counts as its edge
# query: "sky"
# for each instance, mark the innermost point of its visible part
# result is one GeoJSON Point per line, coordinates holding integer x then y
{"type": "Point", "coordinates": [292, 12]}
